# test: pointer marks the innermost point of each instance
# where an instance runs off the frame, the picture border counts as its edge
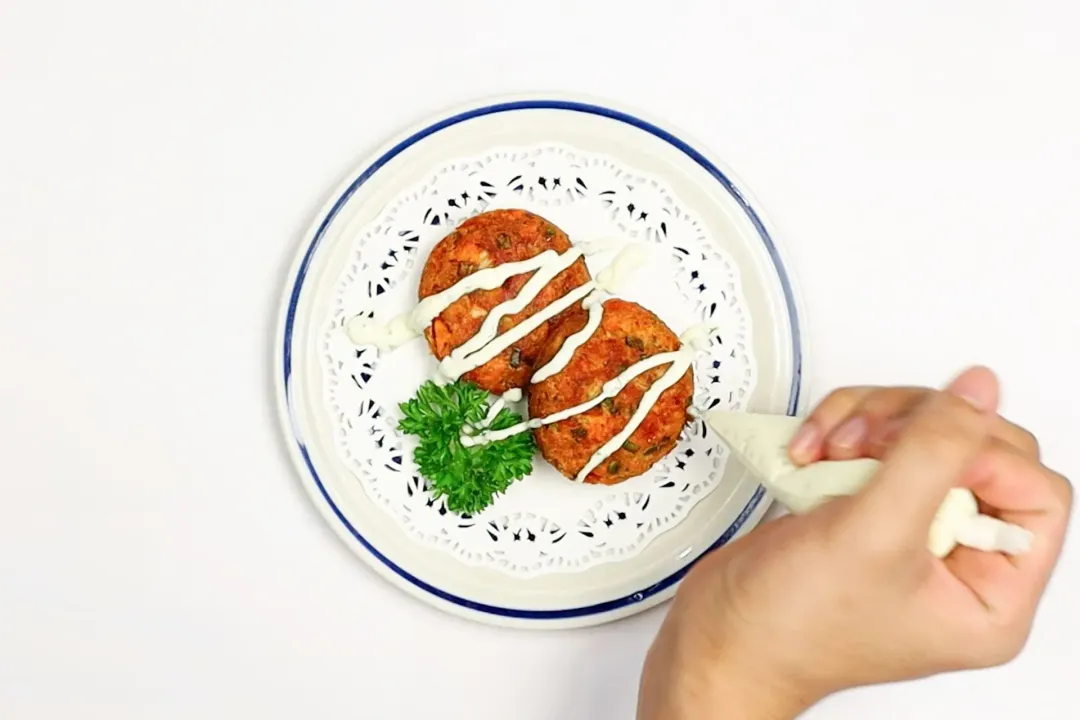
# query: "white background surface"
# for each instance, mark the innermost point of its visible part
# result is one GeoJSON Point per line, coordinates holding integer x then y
{"type": "Point", "coordinates": [158, 162]}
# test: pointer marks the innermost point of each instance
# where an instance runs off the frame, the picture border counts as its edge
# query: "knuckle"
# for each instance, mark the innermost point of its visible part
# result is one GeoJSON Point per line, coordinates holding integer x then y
{"type": "Point", "coordinates": [947, 424]}
{"type": "Point", "coordinates": [1060, 487]}
{"type": "Point", "coordinates": [1064, 490]}
{"type": "Point", "coordinates": [1026, 442]}
{"type": "Point", "coordinates": [889, 402]}
{"type": "Point", "coordinates": [1005, 645]}
{"type": "Point", "coordinates": [997, 653]}
{"type": "Point", "coordinates": [993, 644]}
{"type": "Point", "coordinates": [887, 412]}
{"type": "Point", "coordinates": [840, 402]}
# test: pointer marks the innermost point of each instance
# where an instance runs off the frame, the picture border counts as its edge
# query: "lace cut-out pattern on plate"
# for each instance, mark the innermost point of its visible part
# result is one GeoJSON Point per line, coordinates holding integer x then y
{"type": "Point", "coordinates": [544, 523]}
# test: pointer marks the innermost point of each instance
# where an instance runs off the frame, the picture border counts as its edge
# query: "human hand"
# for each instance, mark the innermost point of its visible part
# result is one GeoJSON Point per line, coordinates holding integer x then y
{"type": "Point", "coordinates": [848, 594]}
{"type": "Point", "coordinates": [863, 421]}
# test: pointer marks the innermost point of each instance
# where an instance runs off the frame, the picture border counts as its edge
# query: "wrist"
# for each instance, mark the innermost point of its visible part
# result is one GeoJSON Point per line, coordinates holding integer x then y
{"type": "Point", "coordinates": [686, 678]}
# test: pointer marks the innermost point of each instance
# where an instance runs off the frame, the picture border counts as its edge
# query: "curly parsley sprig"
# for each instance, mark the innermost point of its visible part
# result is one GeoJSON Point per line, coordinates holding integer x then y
{"type": "Point", "coordinates": [469, 477]}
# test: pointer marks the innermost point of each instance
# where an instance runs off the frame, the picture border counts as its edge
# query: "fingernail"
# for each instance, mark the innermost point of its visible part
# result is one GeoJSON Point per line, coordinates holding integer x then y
{"type": "Point", "coordinates": [849, 434]}
{"type": "Point", "coordinates": [976, 386]}
{"type": "Point", "coordinates": [972, 399]}
{"type": "Point", "coordinates": [804, 443]}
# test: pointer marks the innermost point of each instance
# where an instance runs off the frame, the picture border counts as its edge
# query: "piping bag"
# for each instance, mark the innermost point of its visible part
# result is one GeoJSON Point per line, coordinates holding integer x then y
{"type": "Point", "coordinates": [760, 442]}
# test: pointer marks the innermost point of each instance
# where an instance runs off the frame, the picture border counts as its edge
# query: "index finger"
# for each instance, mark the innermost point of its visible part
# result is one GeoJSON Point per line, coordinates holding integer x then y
{"type": "Point", "coordinates": [941, 442]}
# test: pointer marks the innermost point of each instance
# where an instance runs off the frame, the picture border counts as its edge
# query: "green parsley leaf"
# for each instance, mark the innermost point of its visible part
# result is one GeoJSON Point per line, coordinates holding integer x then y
{"type": "Point", "coordinates": [469, 477]}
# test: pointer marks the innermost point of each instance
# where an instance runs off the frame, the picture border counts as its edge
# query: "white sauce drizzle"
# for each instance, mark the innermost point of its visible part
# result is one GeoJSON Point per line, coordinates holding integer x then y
{"type": "Point", "coordinates": [610, 389]}
{"type": "Point", "coordinates": [397, 332]}
{"type": "Point", "coordinates": [406, 326]}
{"type": "Point", "coordinates": [493, 412]}
{"type": "Point", "coordinates": [695, 339]}
{"type": "Point", "coordinates": [669, 378]}
{"type": "Point", "coordinates": [511, 395]}
{"type": "Point", "coordinates": [629, 259]}
{"type": "Point", "coordinates": [486, 344]}
{"type": "Point", "coordinates": [595, 305]}
{"type": "Point", "coordinates": [452, 367]}
{"type": "Point", "coordinates": [489, 329]}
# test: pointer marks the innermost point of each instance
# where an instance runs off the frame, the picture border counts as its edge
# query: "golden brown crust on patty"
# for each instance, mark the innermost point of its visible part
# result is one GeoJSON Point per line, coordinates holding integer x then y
{"type": "Point", "coordinates": [484, 241]}
{"type": "Point", "coordinates": [627, 334]}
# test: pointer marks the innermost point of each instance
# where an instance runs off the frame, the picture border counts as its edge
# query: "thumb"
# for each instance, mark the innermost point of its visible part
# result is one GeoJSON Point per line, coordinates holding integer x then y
{"type": "Point", "coordinates": [945, 435]}
{"type": "Point", "coordinates": [979, 386]}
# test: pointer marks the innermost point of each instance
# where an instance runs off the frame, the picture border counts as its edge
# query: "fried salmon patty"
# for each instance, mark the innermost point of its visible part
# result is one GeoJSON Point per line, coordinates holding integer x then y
{"type": "Point", "coordinates": [628, 333]}
{"type": "Point", "coordinates": [485, 241]}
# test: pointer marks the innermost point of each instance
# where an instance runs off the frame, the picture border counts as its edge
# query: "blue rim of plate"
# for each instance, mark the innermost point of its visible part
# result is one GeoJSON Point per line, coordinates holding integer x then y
{"type": "Point", "coordinates": [589, 109]}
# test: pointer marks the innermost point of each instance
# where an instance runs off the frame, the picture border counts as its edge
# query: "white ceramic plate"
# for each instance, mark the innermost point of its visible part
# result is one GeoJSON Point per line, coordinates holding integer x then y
{"type": "Point", "coordinates": [598, 591]}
